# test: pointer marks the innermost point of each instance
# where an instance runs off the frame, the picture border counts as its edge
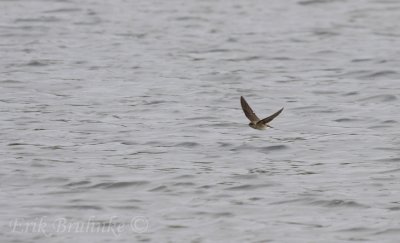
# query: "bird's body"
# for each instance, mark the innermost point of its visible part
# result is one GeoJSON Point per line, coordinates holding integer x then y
{"type": "Point", "coordinates": [258, 126]}
{"type": "Point", "coordinates": [255, 122]}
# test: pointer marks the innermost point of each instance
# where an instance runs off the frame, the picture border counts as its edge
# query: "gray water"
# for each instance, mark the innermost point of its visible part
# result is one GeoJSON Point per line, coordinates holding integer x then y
{"type": "Point", "coordinates": [121, 121]}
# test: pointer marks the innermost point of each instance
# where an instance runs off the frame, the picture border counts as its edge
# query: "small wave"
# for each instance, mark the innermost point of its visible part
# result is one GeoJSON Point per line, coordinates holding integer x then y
{"type": "Point", "coordinates": [155, 102]}
{"type": "Point", "coordinates": [184, 177]}
{"type": "Point", "coordinates": [281, 58]}
{"type": "Point", "coordinates": [243, 147]}
{"type": "Point", "coordinates": [392, 231]}
{"type": "Point", "coordinates": [362, 60]}
{"type": "Point", "coordinates": [273, 148]}
{"type": "Point", "coordinates": [380, 98]}
{"type": "Point", "coordinates": [355, 229]}
{"type": "Point", "coordinates": [83, 207]}
{"type": "Point", "coordinates": [245, 176]}
{"type": "Point", "coordinates": [390, 121]}
{"type": "Point", "coordinates": [160, 189]}
{"type": "Point", "coordinates": [197, 118]}
{"type": "Point", "coordinates": [129, 143]}
{"type": "Point", "coordinates": [338, 203]}
{"type": "Point", "coordinates": [188, 18]}
{"type": "Point", "coordinates": [224, 144]}
{"type": "Point", "coordinates": [147, 152]}
{"type": "Point", "coordinates": [39, 63]}
{"type": "Point", "coordinates": [311, 2]}
{"type": "Point", "coordinates": [216, 214]}
{"type": "Point", "coordinates": [113, 185]}
{"type": "Point", "coordinates": [184, 184]}
{"type": "Point", "coordinates": [366, 74]}
{"type": "Point", "coordinates": [18, 144]}
{"type": "Point", "coordinates": [63, 10]}
{"type": "Point", "coordinates": [396, 159]}
{"type": "Point", "coordinates": [219, 50]}
{"type": "Point", "coordinates": [250, 58]}
{"type": "Point", "coordinates": [345, 120]}
{"type": "Point", "coordinates": [126, 207]}
{"type": "Point", "coordinates": [382, 74]}
{"type": "Point", "coordinates": [187, 144]}
{"type": "Point", "coordinates": [247, 187]}
{"type": "Point", "coordinates": [78, 183]}
{"type": "Point", "coordinates": [351, 93]}
{"type": "Point", "coordinates": [11, 81]}
{"type": "Point", "coordinates": [176, 226]}
{"type": "Point", "coordinates": [325, 33]}
{"type": "Point", "coordinates": [41, 19]}
{"type": "Point", "coordinates": [324, 92]}
{"type": "Point", "coordinates": [287, 201]}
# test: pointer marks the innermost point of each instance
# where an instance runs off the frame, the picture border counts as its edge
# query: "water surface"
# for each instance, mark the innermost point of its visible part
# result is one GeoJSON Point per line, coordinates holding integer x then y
{"type": "Point", "coordinates": [124, 117]}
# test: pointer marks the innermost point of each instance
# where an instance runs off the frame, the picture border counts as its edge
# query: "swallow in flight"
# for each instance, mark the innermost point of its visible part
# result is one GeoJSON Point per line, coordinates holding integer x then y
{"type": "Point", "coordinates": [255, 122]}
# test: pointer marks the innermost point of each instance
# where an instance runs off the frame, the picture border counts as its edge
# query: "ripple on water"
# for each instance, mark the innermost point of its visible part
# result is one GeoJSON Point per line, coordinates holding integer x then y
{"type": "Point", "coordinates": [379, 98]}
{"type": "Point", "coordinates": [187, 144]}
{"type": "Point", "coordinates": [391, 231]}
{"type": "Point", "coordinates": [44, 19]}
{"type": "Point", "coordinates": [77, 183]}
{"type": "Point", "coordinates": [243, 147]}
{"type": "Point", "coordinates": [351, 93]}
{"type": "Point", "coordinates": [160, 189]}
{"type": "Point", "coordinates": [288, 201]}
{"type": "Point", "coordinates": [356, 229]}
{"type": "Point", "coordinates": [83, 207]}
{"type": "Point", "coordinates": [346, 120]}
{"type": "Point", "coordinates": [248, 187]}
{"type": "Point", "coordinates": [116, 185]}
{"type": "Point", "coordinates": [312, 2]}
{"type": "Point", "coordinates": [39, 63]}
{"type": "Point", "coordinates": [385, 73]}
{"type": "Point", "coordinates": [216, 214]}
{"type": "Point", "coordinates": [389, 122]}
{"type": "Point", "coordinates": [338, 203]}
{"type": "Point", "coordinates": [63, 10]}
{"type": "Point", "coordinates": [225, 144]}
{"type": "Point", "coordinates": [177, 161]}
{"type": "Point", "coordinates": [271, 148]}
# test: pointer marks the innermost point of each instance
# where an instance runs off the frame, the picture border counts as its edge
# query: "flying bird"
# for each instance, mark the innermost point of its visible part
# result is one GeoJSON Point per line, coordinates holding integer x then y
{"type": "Point", "coordinates": [255, 122]}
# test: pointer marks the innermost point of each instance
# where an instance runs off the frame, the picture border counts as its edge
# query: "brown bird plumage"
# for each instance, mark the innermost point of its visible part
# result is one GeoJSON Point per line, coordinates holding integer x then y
{"type": "Point", "coordinates": [255, 122]}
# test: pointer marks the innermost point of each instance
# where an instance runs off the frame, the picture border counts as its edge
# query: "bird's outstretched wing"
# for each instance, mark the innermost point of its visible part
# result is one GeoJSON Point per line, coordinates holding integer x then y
{"type": "Point", "coordinates": [271, 117]}
{"type": "Point", "coordinates": [248, 111]}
